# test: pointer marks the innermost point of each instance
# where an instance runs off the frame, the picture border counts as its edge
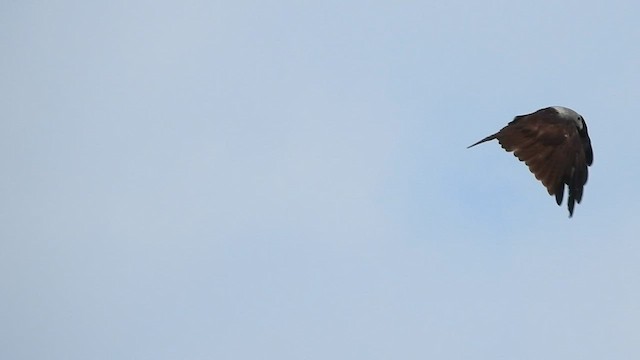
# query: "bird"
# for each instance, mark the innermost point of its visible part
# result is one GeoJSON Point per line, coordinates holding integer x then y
{"type": "Point", "coordinates": [554, 143]}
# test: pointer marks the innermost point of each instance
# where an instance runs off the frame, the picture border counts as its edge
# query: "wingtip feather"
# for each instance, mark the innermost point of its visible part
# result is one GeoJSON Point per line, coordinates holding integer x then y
{"type": "Point", "coordinates": [488, 138]}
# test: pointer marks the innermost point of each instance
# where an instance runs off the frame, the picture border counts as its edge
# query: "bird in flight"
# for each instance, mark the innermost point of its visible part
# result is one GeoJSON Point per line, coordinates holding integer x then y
{"type": "Point", "coordinates": [553, 142]}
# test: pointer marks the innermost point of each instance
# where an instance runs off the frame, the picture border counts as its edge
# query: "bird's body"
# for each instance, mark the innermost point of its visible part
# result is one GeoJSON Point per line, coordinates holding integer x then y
{"type": "Point", "coordinates": [554, 143]}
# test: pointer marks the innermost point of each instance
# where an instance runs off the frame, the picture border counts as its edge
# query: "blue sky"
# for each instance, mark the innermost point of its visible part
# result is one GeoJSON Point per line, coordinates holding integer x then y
{"type": "Point", "coordinates": [290, 180]}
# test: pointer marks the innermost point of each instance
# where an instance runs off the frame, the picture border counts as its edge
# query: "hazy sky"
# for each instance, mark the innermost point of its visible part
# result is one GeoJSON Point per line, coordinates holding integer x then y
{"type": "Point", "coordinates": [290, 180]}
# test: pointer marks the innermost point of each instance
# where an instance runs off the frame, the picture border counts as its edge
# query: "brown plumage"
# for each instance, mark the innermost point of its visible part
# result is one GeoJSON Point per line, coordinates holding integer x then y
{"type": "Point", "coordinates": [554, 143]}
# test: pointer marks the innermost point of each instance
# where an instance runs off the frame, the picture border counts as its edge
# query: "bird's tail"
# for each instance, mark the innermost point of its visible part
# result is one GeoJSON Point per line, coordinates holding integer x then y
{"type": "Point", "coordinates": [490, 137]}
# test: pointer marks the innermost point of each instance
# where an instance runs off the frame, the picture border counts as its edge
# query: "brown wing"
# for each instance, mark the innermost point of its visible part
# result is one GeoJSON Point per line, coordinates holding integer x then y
{"type": "Point", "coordinates": [552, 150]}
{"type": "Point", "coordinates": [578, 177]}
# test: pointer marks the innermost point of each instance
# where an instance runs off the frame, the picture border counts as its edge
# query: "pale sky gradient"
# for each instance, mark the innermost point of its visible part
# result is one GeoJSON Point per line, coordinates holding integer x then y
{"type": "Point", "coordinates": [290, 180]}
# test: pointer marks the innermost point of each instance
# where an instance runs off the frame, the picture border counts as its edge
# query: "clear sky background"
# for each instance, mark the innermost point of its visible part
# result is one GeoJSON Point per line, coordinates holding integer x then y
{"type": "Point", "coordinates": [290, 180]}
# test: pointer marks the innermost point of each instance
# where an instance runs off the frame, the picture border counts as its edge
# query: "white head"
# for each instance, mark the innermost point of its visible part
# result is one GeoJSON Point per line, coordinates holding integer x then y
{"type": "Point", "coordinates": [570, 115]}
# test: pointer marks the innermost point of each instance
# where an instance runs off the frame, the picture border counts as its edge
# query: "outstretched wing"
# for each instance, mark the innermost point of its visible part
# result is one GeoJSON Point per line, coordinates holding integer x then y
{"type": "Point", "coordinates": [552, 149]}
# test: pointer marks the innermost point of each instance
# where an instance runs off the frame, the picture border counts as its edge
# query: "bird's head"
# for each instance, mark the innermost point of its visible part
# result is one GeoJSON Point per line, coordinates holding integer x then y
{"type": "Point", "coordinates": [569, 114]}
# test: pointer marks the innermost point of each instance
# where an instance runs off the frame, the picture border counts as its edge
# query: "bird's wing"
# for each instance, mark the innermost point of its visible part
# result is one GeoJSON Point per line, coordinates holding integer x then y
{"type": "Point", "coordinates": [552, 150]}
{"type": "Point", "coordinates": [578, 177]}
